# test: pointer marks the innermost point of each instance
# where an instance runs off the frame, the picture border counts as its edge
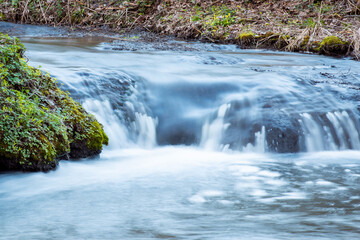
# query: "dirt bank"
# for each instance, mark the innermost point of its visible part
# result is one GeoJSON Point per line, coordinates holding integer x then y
{"type": "Point", "coordinates": [325, 27]}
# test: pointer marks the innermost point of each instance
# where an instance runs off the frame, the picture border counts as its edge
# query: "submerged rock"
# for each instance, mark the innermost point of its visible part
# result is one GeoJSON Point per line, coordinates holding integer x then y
{"type": "Point", "coordinates": [39, 123]}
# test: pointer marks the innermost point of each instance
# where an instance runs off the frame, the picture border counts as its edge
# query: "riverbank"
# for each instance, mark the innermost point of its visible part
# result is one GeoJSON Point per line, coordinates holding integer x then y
{"type": "Point", "coordinates": [40, 123]}
{"type": "Point", "coordinates": [324, 27]}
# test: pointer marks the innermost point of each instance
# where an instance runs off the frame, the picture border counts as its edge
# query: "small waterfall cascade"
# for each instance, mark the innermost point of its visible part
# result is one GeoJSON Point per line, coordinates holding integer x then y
{"type": "Point", "coordinates": [337, 130]}
{"type": "Point", "coordinates": [104, 113]}
{"type": "Point", "coordinates": [260, 144]}
{"type": "Point", "coordinates": [331, 131]}
{"type": "Point", "coordinates": [242, 110]}
{"type": "Point", "coordinates": [212, 131]}
{"type": "Point", "coordinates": [128, 123]}
{"type": "Point", "coordinates": [141, 132]}
{"type": "Point", "coordinates": [145, 126]}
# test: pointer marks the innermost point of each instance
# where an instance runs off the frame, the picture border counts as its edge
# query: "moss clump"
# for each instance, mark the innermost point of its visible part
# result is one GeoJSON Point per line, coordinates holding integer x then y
{"type": "Point", "coordinates": [98, 136]}
{"type": "Point", "coordinates": [39, 122]}
{"type": "Point", "coordinates": [333, 45]}
{"type": "Point", "coordinates": [246, 38]}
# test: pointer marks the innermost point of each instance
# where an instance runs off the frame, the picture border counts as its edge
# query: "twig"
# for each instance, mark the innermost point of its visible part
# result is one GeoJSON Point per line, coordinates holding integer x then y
{"type": "Point", "coordinates": [86, 19]}
{"type": "Point", "coordinates": [48, 7]}
{"type": "Point", "coordinates": [25, 8]}
{"type": "Point", "coordinates": [134, 22]}
{"type": "Point", "coordinates": [147, 29]}
{"type": "Point", "coordinates": [120, 18]}
{"type": "Point", "coordinates": [90, 9]}
{"type": "Point", "coordinates": [126, 15]}
{"type": "Point", "coordinates": [42, 11]}
{"type": "Point", "coordinates": [212, 40]}
{"type": "Point", "coordinates": [69, 15]}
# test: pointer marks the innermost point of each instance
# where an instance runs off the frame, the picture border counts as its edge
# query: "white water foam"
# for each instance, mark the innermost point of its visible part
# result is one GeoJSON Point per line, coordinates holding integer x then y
{"type": "Point", "coordinates": [260, 144]}
{"type": "Point", "coordinates": [145, 126]}
{"type": "Point", "coordinates": [212, 132]}
{"type": "Point", "coordinates": [103, 112]}
{"type": "Point", "coordinates": [337, 132]}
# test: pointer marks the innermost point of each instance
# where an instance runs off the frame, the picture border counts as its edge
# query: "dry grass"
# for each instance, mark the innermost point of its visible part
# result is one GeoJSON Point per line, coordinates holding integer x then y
{"type": "Point", "coordinates": [355, 43]}
{"type": "Point", "coordinates": [298, 24]}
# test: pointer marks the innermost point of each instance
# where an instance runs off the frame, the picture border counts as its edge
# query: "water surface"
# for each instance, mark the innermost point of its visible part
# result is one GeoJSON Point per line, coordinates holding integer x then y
{"type": "Point", "coordinates": [206, 142]}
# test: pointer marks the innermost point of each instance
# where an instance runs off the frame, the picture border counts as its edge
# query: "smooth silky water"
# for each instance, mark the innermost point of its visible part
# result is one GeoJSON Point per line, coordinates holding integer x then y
{"type": "Point", "coordinates": [196, 147]}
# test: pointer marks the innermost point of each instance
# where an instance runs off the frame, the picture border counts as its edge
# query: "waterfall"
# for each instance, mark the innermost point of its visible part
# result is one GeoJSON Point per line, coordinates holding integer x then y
{"type": "Point", "coordinates": [260, 144]}
{"type": "Point", "coordinates": [116, 131]}
{"type": "Point", "coordinates": [333, 131]}
{"type": "Point", "coordinates": [345, 130]}
{"type": "Point", "coordinates": [163, 100]}
{"type": "Point", "coordinates": [145, 126]}
{"type": "Point", "coordinates": [212, 131]}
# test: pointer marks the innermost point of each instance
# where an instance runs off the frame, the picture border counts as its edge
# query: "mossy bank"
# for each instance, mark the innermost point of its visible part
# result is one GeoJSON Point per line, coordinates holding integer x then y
{"type": "Point", "coordinates": [39, 123]}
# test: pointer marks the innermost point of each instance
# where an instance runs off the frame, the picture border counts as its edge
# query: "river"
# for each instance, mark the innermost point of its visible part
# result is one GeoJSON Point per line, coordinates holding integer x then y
{"type": "Point", "coordinates": [206, 142]}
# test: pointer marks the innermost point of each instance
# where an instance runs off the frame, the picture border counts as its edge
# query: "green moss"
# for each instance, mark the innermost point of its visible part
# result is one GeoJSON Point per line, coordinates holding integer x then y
{"type": "Point", "coordinates": [246, 37]}
{"type": "Point", "coordinates": [38, 121]}
{"type": "Point", "coordinates": [333, 45]}
{"type": "Point", "coordinates": [83, 126]}
{"type": "Point", "coordinates": [96, 136]}
{"type": "Point", "coordinates": [331, 41]}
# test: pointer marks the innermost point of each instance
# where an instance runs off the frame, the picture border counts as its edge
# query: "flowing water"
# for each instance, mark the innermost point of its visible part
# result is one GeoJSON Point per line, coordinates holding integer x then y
{"type": "Point", "coordinates": [206, 142]}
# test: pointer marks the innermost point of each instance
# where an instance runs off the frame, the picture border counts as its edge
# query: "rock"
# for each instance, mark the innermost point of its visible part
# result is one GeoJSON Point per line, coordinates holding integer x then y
{"type": "Point", "coordinates": [333, 46]}
{"type": "Point", "coordinates": [39, 123]}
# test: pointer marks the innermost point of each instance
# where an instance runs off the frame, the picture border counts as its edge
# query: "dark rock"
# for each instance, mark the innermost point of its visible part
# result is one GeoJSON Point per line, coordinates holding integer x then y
{"type": "Point", "coordinates": [7, 164]}
{"type": "Point", "coordinates": [283, 140]}
{"type": "Point", "coordinates": [79, 149]}
{"type": "Point", "coordinates": [179, 133]}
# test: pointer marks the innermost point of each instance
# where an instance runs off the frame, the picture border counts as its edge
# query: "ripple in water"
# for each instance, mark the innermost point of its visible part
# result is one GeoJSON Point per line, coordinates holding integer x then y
{"type": "Point", "coordinates": [195, 137]}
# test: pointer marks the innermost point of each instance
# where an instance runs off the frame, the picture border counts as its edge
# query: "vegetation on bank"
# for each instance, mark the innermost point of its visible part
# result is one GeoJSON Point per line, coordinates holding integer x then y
{"type": "Point", "coordinates": [39, 123]}
{"type": "Point", "coordinates": [295, 25]}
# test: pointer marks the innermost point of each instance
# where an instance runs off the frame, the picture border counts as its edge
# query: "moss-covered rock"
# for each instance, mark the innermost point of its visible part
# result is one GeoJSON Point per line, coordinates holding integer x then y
{"type": "Point", "coordinates": [247, 38]}
{"type": "Point", "coordinates": [39, 123]}
{"type": "Point", "coordinates": [333, 45]}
